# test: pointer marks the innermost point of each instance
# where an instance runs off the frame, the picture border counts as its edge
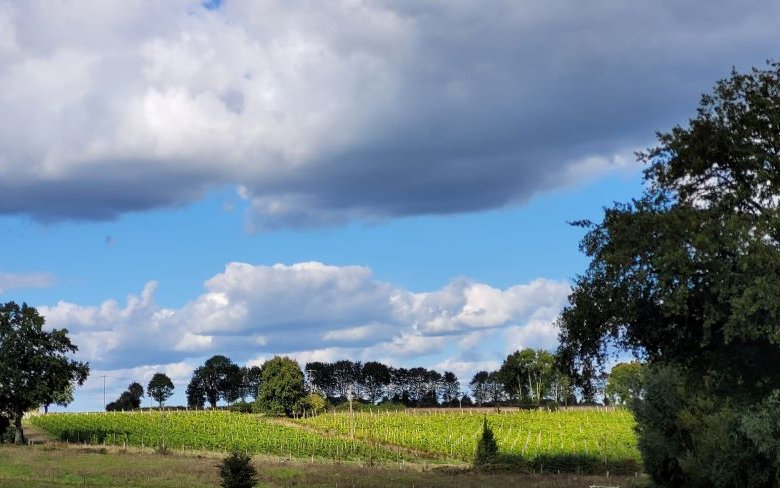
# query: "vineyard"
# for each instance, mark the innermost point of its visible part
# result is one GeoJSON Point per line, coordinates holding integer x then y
{"type": "Point", "coordinates": [212, 431]}
{"type": "Point", "coordinates": [572, 440]}
{"type": "Point", "coordinates": [566, 439]}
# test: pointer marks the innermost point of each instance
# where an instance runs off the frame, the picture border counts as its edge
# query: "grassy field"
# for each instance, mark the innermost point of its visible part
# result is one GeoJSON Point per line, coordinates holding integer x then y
{"type": "Point", "coordinates": [61, 465]}
{"type": "Point", "coordinates": [573, 441]}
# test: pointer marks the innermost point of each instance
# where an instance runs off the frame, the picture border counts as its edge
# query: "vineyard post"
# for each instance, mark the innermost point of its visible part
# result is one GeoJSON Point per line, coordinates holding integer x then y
{"type": "Point", "coordinates": [351, 414]}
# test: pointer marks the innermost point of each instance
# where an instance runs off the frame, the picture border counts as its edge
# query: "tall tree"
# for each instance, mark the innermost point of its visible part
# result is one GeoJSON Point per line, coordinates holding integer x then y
{"type": "Point", "coordinates": [252, 378]}
{"type": "Point", "coordinates": [218, 378]}
{"type": "Point", "coordinates": [478, 387]}
{"type": "Point", "coordinates": [625, 383]}
{"type": "Point", "coordinates": [196, 396]}
{"type": "Point", "coordinates": [130, 399]}
{"type": "Point", "coordinates": [687, 276]}
{"type": "Point", "coordinates": [160, 388]}
{"type": "Point", "coordinates": [136, 392]}
{"type": "Point", "coordinates": [450, 388]}
{"type": "Point", "coordinates": [321, 378]}
{"type": "Point", "coordinates": [282, 386]}
{"type": "Point", "coordinates": [375, 378]}
{"type": "Point", "coordinates": [34, 364]}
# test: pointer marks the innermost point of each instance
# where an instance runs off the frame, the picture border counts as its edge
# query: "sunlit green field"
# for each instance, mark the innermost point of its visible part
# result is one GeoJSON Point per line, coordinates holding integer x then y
{"type": "Point", "coordinates": [586, 440]}
{"type": "Point", "coordinates": [603, 435]}
{"type": "Point", "coordinates": [209, 431]}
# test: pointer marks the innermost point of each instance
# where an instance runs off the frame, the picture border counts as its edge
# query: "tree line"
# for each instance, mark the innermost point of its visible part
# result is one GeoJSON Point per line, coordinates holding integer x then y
{"type": "Point", "coordinates": [527, 378]}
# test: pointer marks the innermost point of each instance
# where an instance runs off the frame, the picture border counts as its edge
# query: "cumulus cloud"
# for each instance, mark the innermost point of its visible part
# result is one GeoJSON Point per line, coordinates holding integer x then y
{"type": "Point", "coordinates": [348, 109]}
{"type": "Point", "coordinates": [308, 310]}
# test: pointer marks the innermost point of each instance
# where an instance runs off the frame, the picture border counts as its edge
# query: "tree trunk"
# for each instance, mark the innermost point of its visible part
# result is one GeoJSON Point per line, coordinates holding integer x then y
{"type": "Point", "coordinates": [19, 439]}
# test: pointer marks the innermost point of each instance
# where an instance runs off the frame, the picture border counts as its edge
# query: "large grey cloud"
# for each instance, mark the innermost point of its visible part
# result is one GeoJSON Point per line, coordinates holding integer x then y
{"type": "Point", "coordinates": [328, 111]}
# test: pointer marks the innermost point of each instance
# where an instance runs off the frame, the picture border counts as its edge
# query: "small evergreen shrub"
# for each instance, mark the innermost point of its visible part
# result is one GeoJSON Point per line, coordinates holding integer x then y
{"type": "Point", "coordinates": [237, 471]}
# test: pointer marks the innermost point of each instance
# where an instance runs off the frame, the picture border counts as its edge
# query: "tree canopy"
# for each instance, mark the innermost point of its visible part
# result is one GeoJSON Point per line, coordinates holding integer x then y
{"type": "Point", "coordinates": [218, 378]}
{"type": "Point", "coordinates": [160, 388]}
{"type": "Point", "coordinates": [282, 386]}
{"type": "Point", "coordinates": [34, 366]}
{"type": "Point", "coordinates": [687, 276]}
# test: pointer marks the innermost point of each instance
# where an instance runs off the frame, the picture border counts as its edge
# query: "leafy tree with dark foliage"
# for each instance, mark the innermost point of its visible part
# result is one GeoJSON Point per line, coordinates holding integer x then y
{"type": "Point", "coordinates": [218, 378]}
{"type": "Point", "coordinates": [252, 377]}
{"type": "Point", "coordinates": [625, 383]}
{"type": "Point", "coordinates": [196, 396]}
{"type": "Point", "coordinates": [34, 364]}
{"type": "Point", "coordinates": [282, 387]}
{"type": "Point", "coordinates": [688, 277]}
{"type": "Point", "coordinates": [130, 399]}
{"type": "Point", "coordinates": [160, 388]}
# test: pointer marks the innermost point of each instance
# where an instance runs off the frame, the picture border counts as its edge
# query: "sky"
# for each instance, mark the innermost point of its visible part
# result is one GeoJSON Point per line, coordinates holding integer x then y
{"type": "Point", "coordinates": [353, 179]}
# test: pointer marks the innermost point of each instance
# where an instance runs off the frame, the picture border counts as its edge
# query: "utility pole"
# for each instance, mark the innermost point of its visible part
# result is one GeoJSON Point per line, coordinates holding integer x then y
{"type": "Point", "coordinates": [104, 392]}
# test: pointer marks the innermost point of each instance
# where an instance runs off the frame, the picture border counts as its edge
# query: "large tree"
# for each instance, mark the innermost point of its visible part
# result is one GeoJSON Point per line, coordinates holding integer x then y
{"type": "Point", "coordinates": [34, 366]}
{"type": "Point", "coordinates": [160, 388]}
{"type": "Point", "coordinates": [282, 386]}
{"type": "Point", "coordinates": [625, 383]}
{"type": "Point", "coordinates": [375, 378]}
{"type": "Point", "coordinates": [688, 277]}
{"type": "Point", "coordinates": [218, 378]}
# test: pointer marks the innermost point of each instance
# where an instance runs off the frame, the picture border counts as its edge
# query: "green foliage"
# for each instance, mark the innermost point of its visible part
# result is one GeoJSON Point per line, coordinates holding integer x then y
{"type": "Point", "coordinates": [282, 387]}
{"type": "Point", "coordinates": [34, 365]}
{"type": "Point", "coordinates": [242, 407]}
{"type": "Point", "coordinates": [625, 383]}
{"type": "Point", "coordinates": [680, 423]}
{"type": "Point", "coordinates": [487, 448]}
{"type": "Point", "coordinates": [236, 471]}
{"type": "Point", "coordinates": [7, 431]}
{"type": "Point", "coordinates": [218, 378]}
{"type": "Point", "coordinates": [160, 388]}
{"type": "Point", "coordinates": [528, 374]}
{"type": "Point", "coordinates": [311, 404]}
{"type": "Point", "coordinates": [688, 276]}
{"type": "Point", "coordinates": [130, 399]}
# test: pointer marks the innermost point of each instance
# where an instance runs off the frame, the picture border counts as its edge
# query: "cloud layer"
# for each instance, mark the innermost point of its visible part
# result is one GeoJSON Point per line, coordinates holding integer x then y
{"type": "Point", "coordinates": [330, 111]}
{"type": "Point", "coordinates": [313, 311]}
{"type": "Point", "coordinates": [9, 281]}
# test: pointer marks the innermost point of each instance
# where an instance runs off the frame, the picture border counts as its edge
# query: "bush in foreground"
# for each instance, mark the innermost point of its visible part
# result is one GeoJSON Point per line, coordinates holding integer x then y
{"type": "Point", "coordinates": [237, 471]}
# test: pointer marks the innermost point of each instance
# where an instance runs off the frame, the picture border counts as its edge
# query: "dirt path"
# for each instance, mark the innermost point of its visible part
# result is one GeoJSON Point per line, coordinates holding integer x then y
{"type": "Point", "coordinates": [36, 435]}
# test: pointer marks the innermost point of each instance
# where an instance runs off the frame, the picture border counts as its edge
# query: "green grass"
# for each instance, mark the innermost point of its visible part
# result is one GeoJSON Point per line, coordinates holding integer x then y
{"type": "Point", "coordinates": [72, 466]}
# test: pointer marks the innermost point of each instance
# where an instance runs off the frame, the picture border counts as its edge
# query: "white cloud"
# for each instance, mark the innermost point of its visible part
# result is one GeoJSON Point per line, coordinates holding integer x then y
{"type": "Point", "coordinates": [308, 310]}
{"type": "Point", "coordinates": [344, 110]}
{"type": "Point", "coordinates": [9, 281]}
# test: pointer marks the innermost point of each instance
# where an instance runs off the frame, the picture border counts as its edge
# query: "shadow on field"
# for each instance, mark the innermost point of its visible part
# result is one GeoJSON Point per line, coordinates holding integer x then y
{"type": "Point", "coordinates": [93, 436]}
{"type": "Point", "coordinates": [573, 463]}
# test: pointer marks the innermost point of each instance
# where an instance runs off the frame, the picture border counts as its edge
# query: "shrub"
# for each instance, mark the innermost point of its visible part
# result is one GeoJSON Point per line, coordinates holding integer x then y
{"type": "Point", "coordinates": [237, 471]}
{"type": "Point", "coordinates": [241, 407]}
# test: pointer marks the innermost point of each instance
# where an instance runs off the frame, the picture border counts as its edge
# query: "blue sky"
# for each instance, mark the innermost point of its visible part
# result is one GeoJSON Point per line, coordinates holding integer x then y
{"type": "Point", "coordinates": [370, 180]}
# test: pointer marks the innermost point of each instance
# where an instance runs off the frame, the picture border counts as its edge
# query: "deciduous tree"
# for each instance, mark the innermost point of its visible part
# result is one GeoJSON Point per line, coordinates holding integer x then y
{"type": "Point", "coordinates": [34, 365]}
{"type": "Point", "coordinates": [687, 276]}
{"type": "Point", "coordinates": [160, 388]}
